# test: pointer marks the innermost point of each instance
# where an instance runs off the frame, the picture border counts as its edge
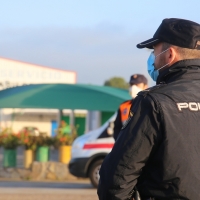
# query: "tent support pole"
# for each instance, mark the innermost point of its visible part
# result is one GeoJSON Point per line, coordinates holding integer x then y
{"type": "Point", "coordinates": [72, 118]}
{"type": "Point", "coordinates": [60, 114]}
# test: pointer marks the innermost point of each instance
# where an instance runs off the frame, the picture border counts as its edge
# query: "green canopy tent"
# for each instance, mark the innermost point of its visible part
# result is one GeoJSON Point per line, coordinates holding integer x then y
{"type": "Point", "coordinates": [63, 96]}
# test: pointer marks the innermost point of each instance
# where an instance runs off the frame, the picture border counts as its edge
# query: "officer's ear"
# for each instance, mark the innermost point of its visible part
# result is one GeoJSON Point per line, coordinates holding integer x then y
{"type": "Point", "coordinates": [172, 56]}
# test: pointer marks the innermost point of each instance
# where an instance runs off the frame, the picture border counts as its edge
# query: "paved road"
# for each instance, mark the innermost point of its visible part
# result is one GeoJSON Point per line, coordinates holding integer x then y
{"type": "Point", "coordinates": [76, 190]}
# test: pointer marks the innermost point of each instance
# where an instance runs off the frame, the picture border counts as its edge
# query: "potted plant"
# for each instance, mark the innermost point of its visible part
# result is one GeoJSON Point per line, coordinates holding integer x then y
{"type": "Point", "coordinates": [42, 148]}
{"type": "Point", "coordinates": [10, 142]}
{"type": "Point", "coordinates": [63, 142]}
{"type": "Point", "coordinates": [29, 143]}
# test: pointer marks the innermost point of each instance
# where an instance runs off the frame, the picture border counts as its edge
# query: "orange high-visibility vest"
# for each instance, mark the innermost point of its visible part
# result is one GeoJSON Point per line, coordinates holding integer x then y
{"type": "Point", "coordinates": [124, 110]}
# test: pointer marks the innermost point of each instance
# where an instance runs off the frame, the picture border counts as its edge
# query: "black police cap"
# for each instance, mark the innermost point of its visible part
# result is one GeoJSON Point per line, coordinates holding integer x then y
{"type": "Point", "coordinates": [179, 32]}
{"type": "Point", "coordinates": [137, 78]}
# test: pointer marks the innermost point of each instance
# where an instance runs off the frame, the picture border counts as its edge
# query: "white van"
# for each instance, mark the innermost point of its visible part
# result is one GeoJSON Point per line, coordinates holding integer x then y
{"type": "Point", "coordinates": [89, 150]}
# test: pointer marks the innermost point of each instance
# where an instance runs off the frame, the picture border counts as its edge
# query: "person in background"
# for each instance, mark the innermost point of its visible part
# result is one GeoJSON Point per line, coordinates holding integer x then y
{"type": "Point", "coordinates": [137, 83]}
{"type": "Point", "coordinates": [65, 128]}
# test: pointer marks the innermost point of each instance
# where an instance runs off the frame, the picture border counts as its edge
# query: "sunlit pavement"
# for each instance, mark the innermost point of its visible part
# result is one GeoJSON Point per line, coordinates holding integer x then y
{"type": "Point", "coordinates": [73, 190]}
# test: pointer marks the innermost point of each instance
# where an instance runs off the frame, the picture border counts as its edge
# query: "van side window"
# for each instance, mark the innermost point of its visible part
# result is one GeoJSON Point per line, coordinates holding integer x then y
{"type": "Point", "coordinates": [108, 131]}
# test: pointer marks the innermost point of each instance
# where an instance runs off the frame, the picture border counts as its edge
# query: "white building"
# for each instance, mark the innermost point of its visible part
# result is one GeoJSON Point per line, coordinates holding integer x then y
{"type": "Point", "coordinates": [15, 73]}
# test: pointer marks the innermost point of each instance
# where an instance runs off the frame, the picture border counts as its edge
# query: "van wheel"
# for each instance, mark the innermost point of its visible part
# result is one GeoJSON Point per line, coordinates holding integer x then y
{"type": "Point", "coordinates": [94, 172]}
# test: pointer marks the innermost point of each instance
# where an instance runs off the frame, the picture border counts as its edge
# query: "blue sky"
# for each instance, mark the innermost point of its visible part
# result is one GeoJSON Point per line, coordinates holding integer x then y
{"type": "Point", "coordinates": [95, 38]}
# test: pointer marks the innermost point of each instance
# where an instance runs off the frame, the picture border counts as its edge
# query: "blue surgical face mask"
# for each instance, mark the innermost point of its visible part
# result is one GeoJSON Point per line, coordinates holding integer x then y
{"type": "Point", "coordinates": [150, 66]}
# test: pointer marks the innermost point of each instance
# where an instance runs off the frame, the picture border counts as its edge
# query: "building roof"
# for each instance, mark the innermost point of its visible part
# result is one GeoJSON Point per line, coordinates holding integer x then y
{"type": "Point", "coordinates": [35, 65]}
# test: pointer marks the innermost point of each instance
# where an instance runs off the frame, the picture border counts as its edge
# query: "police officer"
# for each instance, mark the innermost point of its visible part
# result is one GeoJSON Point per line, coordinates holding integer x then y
{"type": "Point", "coordinates": [158, 149]}
{"type": "Point", "coordinates": [137, 83]}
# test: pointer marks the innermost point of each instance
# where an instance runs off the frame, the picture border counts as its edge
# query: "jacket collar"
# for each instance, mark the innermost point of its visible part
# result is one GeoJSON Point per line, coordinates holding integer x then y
{"type": "Point", "coordinates": [180, 69]}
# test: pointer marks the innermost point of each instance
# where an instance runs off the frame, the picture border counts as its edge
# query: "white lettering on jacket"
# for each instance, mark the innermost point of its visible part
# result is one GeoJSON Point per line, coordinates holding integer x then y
{"type": "Point", "coordinates": [192, 106]}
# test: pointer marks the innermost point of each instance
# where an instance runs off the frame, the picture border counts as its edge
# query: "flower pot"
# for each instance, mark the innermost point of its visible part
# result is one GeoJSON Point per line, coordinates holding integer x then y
{"type": "Point", "coordinates": [9, 158]}
{"type": "Point", "coordinates": [28, 158]}
{"type": "Point", "coordinates": [64, 154]}
{"type": "Point", "coordinates": [42, 154]}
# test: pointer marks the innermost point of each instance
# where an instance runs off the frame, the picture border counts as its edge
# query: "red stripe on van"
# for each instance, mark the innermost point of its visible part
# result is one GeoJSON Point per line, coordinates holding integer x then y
{"type": "Point", "coordinates": [98, 146]}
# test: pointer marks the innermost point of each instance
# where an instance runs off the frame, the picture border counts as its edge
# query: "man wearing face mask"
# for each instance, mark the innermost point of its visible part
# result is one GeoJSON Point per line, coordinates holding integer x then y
{"type": "Point", "coordinates": [158, 149]}
{"type": "Point", "coordinates": [137, 83]}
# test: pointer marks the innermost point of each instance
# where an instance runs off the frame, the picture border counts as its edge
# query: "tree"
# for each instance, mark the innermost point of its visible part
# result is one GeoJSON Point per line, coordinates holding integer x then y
{"type": "Point", "coordinates": [117, 82]}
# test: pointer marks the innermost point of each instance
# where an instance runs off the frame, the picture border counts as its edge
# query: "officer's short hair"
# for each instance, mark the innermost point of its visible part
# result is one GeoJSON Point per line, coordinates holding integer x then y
{"type": "Point", "coordinates": [184, 53]}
